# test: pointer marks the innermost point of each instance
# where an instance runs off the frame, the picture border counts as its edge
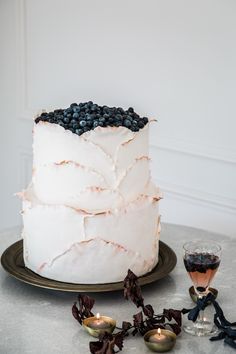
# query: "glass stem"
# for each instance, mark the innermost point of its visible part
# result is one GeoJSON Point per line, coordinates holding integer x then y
{"type": "Point", "coordinates": [201, 313]}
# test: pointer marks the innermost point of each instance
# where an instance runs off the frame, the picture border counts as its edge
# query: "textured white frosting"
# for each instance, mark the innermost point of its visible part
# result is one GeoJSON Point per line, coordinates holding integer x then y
{"type": "Point", "coordinates": [69, 245]}
{"type": "Point", "coordinates": [101, 170]}
{"type": "Point", "coordinates": [91, 212]}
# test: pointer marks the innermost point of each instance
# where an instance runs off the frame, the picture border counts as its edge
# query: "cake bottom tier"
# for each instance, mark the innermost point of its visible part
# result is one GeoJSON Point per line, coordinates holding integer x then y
{"type": "Point", "coordinates": [68, 245]}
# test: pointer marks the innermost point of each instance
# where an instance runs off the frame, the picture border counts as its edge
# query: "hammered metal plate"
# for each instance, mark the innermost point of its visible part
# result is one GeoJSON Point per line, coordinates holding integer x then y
{"type": "Point", "coordinates": [12, 261]}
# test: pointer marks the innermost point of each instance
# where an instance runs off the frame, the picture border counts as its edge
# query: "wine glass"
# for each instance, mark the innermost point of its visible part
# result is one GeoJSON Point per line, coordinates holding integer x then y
{"type": "Point", "coordinates": [201, 260]}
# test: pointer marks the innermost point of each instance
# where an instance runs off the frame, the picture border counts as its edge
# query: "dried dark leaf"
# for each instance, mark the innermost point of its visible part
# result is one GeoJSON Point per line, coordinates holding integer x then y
{"type": "Point", "coordinates": [119, 339]}
{"type": "Point", "coordinates": [126, 326]}
{"type": "Point", "coordinates": [86, 304]}
{"type": "Point", "coordinates": [95, 347]}
{"type": "Point", "coordinates": [173, 314]}
{"type": "Point", "coordinates": [148, 311]}
{"type": "Point", "coordinates": [175, 327]}
{"type": "Point", "coordinates": [132, 289]}
{"type": "Point", "coordinates": [138, 320]}
{"type": "Point", "coordinates": [105, 345]}
{"type": "Point", "coordinates": [75, 313]}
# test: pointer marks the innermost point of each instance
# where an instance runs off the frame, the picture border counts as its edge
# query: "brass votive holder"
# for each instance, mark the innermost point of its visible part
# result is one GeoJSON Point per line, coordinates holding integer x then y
{"type": "Point", "coordinates": [160, 340]}
{"type": "Point", "coordinates": [99, 324]}
{"type": "Point", "coordinates": [193, 294]}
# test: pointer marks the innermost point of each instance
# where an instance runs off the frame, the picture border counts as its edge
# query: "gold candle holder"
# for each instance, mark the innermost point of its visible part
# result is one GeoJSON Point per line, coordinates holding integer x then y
{"type": "Point", "coordinates": [99, 324]}
{"type": "Point", "coordinates": [160, 340]}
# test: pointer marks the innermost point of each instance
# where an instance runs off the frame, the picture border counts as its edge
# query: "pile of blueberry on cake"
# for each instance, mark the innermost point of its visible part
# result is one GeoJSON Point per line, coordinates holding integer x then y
{"type": "Point", "coordinates": [91, 210]}
{"type": "Point", "coordinates": [82, 117]}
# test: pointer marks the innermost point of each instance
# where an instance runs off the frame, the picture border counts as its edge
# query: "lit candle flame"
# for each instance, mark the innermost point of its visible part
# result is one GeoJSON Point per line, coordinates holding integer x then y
{"type": "Point", "coordinates": [98, 316]}
{"type": "Point", "coordinates": [159, 331]}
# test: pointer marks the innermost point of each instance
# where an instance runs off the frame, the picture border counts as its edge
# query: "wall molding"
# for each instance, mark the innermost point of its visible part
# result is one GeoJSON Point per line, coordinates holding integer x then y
{"type": "Point", "coordinates": [23, 108]}
{"type": "Point", "coordinates": [191, 195]}
{"type": "Point", "coordinates": [218, 153]}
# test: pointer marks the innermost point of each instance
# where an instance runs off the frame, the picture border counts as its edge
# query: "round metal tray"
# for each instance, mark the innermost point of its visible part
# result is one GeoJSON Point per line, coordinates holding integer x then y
{"type": "Point", "coordinates": [13, 262]}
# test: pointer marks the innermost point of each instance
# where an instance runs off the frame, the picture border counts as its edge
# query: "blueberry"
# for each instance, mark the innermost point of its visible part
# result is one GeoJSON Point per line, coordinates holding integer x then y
{"type": "Point", "coordinates": [86, 129]}
{"type": "Point", "coordinates": [94, 107]}
{"type": "Point", "coordinates": [134, 122]}
{"type": "Point", "coordinates": [118, 116]}
{"type": "Point", "coordinates": [60, 122]}
{"type": "Point", "coordinates": [140, 124]}
{"type": "Point", "coordinates": [145, 120]}
{"type": "Point", "coordinates": [95, 123]}
{"type": "Point", "coordinates": [89, 116]}
{"type": "Point", "coordinates": [89, 123]}
{"type": "Point", "coordinates": [73, 104]}
{"type": "Point", "coordinates": [75, 115]}
{"type": "Point", "coordinates": [127, 123]}
{"type": "Point", "coordinates": [73, 121]}
{"type": "Point", "coordinates": [76, 109]}
{"type": "Point", "coordinates": [82, 123]}
{"type": "Point", "coordinates": [79, 131]}
{"type": "Point", "coordinates": [134, 128]}
{"type": "Point", "coordinates": [110, 120]}
{"type": "Point", "coordinates": [37, 120]}
{"type": "Point", "coordinates": [106, 109]}
{"type": "Point", "coordinates": [106, 116]}
{"type": "Point", "coordinates": [66, 120]}
{"type": "Point", "coordinates": [130, 110]}
{"type": "Point", "coordinates": [120, 110]}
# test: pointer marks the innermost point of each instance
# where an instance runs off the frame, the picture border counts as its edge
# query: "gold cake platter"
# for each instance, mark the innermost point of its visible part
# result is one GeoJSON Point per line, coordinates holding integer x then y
{"type": "Point", "coordinates": [13, 262]}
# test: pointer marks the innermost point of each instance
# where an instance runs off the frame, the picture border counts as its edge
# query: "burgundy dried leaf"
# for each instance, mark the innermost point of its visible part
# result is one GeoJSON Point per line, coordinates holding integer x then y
{"type": "Point", "coordinates": [119, 339]}
{"type": "Point", "coordinates": [126, 326]}
{"type": "Point", "coordinates": [173, 314]}
{"type": "Point", "coordinates": [86, 304]}
{"type": "Point", "coordinates": [139, 324]}
{"type": "Point", "coordinates": [138, 319]}
{"type": "Point", "coordinates": [105, 336]}
{"type": "Point", "coordinates": [135, 331]}
{"type": "Point", "coordinates": [148, 311]}
{"type": "Point", "coordinates": [106, 343]}
{"type": "Point", "coordinates": [132, 289]}
{"type": "Point", "coordinates": [95, 347]}
{"type": "Point", "coordinates": [175, 327]}
{"type": "Point", "coordinates": [75, 313]}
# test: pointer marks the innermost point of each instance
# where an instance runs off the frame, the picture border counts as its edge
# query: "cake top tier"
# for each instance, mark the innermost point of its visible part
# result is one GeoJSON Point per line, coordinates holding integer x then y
{"type": "Point", "coordinates": [82, 117]}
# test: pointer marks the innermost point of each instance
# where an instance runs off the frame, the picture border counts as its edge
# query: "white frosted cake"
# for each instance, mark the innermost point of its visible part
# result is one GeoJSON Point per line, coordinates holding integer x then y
{"type": "Point", "coordinates": [91, 211]}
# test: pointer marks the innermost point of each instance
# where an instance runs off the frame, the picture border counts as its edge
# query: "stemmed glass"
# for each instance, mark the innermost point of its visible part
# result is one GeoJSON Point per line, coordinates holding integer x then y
{"type": "Point", "coordinates": [201, 260]}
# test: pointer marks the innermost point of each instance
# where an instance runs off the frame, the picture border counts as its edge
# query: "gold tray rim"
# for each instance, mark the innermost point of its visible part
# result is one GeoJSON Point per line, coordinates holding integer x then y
{"type": "Point", "coordinates": [11, 264]}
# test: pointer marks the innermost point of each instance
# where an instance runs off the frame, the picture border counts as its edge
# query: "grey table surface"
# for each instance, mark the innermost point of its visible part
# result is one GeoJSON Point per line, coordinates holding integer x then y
{"type": "Point", "coordinates": [39, 321]}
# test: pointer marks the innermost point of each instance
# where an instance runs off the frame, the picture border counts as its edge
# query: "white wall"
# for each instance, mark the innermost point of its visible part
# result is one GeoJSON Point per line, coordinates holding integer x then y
{"type": "Point", "coordinates": [170, 59]}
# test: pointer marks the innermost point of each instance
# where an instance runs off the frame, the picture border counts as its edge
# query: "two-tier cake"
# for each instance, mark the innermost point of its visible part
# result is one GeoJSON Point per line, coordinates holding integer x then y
{"type": "Point", "coordinates": [91, 211]}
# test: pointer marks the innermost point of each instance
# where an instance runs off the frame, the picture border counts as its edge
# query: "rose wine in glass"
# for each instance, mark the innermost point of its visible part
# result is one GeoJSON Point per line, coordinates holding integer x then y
{"type": "Point", "coordinates": [201, 260]}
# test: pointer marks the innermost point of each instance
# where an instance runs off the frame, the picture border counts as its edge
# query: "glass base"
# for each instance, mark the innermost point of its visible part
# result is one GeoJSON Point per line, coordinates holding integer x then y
{"type": "Point", "coordinates": [200, 328]}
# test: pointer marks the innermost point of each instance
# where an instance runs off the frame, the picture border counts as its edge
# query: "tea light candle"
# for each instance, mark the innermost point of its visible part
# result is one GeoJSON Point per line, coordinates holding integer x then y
{"type": "Point", "coordinates": [160, 340]}
{"type": "Point", "coordinates": [99, 324]}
